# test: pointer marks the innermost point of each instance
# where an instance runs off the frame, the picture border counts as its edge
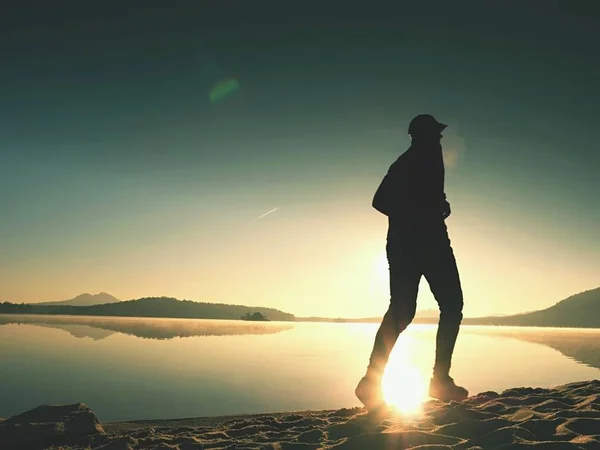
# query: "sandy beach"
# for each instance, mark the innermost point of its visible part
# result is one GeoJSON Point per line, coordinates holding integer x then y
{"type": "Point", "coordinates": [565, 417]}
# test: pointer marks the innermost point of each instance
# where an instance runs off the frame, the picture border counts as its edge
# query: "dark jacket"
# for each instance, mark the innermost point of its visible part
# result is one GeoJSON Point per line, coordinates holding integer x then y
{"type": "Point", "coordinates": [412, 191]}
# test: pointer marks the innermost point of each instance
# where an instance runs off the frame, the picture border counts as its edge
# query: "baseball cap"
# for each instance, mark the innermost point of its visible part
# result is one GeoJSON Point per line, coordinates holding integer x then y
{"type": "Point", "coordinates": [425, 124]}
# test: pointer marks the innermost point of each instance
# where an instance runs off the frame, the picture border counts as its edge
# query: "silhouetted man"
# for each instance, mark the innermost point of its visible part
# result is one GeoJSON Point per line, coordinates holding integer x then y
{"type": "Point", "coordinates": [412, 196]}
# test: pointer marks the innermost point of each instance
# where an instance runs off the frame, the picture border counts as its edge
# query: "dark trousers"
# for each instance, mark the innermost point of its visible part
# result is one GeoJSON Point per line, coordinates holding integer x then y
{"type": "Point", "coordinates": [412, 255]}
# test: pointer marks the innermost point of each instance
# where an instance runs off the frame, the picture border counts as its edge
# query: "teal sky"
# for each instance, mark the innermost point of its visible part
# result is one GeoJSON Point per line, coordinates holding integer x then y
{"type": "Point", "coordinates": [118, 174]}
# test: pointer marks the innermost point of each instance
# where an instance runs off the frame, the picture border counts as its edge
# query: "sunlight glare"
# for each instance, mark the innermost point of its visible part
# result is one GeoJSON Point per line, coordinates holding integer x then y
{"type": "Point", "coordinates": [379, 283]}
{"type": "Point", "coordinates": [382, 267]}
{"type": "Point", "coordinates": [404, 388]}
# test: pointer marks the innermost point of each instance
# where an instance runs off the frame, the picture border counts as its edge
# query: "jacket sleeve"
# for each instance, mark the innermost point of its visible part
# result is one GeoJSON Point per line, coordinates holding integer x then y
{"type": "Point", "coordinates": [389, 194]}
{"type": "Point", "coordinates": [381, 199]}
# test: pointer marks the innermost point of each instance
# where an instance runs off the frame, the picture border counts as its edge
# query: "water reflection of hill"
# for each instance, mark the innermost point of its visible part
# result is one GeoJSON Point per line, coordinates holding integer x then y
{"type": "Point", "coordinates": [101, 327]}
{"type": "Point", "coordinates": [582, 345]}
{"type": "Point", "coordinates": [79, 331]}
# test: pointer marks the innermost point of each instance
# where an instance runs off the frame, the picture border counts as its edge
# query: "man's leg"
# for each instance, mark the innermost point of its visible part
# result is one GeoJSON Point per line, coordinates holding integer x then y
{"type": "Point", "coordinates": [442, 275]}
{"type": "Point", "coordinates": [405, 275]}
{"type": "Point", "coordinates": [400, 313]}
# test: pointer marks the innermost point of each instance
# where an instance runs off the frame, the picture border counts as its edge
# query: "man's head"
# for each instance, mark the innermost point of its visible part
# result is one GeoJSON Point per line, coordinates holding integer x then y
{"type": "Point", "coordinates": [425, 127]}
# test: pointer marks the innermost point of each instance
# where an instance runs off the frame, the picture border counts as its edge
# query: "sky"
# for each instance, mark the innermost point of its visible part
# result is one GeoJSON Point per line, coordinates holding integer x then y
{"type": "Point", "coordinates": [118, 174]}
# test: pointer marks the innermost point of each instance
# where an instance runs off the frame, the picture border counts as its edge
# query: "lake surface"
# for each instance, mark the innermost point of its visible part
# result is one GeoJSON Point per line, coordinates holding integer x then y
{"type": "Point", "coordinates": [130, 368]}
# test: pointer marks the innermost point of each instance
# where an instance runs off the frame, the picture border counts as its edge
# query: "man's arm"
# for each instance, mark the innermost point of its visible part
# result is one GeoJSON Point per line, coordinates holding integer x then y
{"type": "Point", "coordinates": [429, 175]}
{"type": "Point", "coordinates": [388, 197]}
{"type": "Point", "coordinates": [381, 199]}
{"type": "Point", "coordinates": [445, 204]}
{"type": "Point", "coordinates": [446, 211]}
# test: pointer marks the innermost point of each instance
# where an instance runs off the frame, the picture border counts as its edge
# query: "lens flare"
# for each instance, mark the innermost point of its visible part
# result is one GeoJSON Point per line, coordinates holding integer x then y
{"type": "Point", "coordinates": [405, 388]}
{"type": "Point", "coordinates": [223, 89]}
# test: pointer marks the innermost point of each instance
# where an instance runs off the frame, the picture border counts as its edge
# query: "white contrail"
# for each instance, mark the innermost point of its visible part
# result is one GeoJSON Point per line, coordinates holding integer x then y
{"type": "Point", "coordinates": [265, 214]}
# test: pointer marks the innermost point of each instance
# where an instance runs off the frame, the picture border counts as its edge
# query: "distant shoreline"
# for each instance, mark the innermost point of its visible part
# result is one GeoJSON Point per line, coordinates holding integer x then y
{"type": "Point", "coordinates": [578, 311]}
{"type": "Point", "coordinates": [154, 307]}
{"type": "Point", "coordinates": [418, 321]}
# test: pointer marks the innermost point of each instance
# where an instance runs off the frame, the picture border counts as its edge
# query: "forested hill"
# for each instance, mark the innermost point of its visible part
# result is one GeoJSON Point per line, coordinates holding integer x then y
{"type": "Point", "coordinates": [151, 307]}
{"type": "Point", "coordinates": [578, 311]}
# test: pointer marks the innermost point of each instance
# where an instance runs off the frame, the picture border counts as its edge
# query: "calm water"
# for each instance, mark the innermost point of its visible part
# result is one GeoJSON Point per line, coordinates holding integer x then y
{"type": "Point", "coordinates": [126, 369]}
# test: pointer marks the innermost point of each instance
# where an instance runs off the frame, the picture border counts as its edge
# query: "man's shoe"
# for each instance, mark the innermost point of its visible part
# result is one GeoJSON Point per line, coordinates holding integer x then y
{"type": "Point", "coordinates": [444, 388]}
{"type": "Point", "coordinates": [369, 392]}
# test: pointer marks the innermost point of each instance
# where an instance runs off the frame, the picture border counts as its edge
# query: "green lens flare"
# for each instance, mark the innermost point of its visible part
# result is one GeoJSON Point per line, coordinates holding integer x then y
{"type": "Point", "coordinates": [223, 89]}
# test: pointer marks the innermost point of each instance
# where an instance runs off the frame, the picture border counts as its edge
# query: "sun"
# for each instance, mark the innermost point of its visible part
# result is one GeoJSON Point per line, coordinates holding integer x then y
{"type": "Point", "coordinates": [404, 388]}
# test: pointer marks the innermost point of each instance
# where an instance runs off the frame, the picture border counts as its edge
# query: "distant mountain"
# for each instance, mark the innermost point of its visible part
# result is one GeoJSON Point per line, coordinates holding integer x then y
{"type": "Point", "coordinates": [86, 300]}
{"type": "Point", "coordinates": [150, 307]}
{"type": "Point", "coordinates": [578, 311]}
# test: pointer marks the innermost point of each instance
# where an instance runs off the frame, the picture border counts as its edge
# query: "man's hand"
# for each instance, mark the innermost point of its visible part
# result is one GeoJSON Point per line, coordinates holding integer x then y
{"type": "Point", "coordinates": [446, 209]}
